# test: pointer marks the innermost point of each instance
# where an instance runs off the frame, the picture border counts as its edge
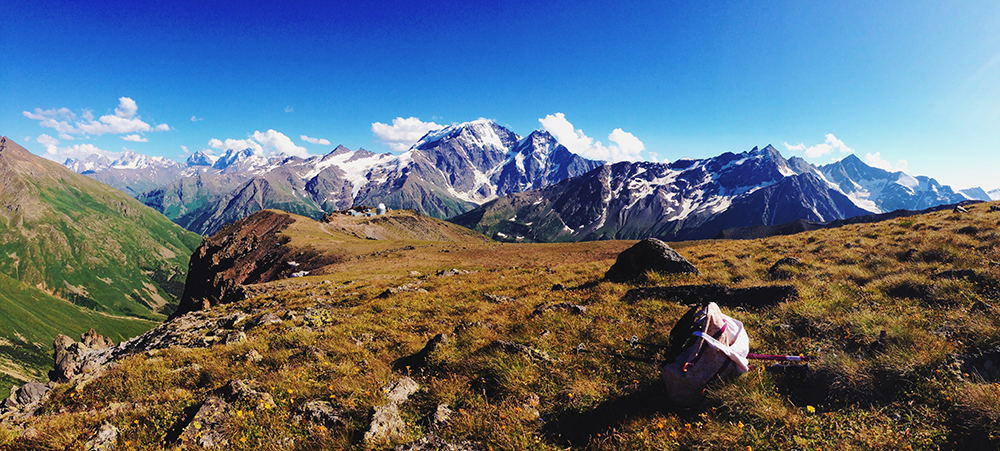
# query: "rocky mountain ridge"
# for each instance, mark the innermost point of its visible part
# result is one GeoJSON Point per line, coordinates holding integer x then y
{"type": "Point", "coordinates": [447, 172]}
{"type": "Point", "coordinates": [686, 199]}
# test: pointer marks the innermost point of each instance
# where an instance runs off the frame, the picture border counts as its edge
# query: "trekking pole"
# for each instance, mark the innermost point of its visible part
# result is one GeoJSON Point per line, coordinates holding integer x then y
{"type": "Point", "coordinates": [781, 358]}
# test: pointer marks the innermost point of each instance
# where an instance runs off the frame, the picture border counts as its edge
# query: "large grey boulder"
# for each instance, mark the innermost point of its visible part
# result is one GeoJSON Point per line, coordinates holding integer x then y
{"type": "Point", "coordinates": [649, 254]}
{"type": "Point", "coordinates": [386, 424]}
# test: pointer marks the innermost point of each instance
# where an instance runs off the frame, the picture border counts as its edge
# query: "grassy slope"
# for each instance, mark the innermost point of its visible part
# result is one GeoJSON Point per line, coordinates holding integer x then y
{"type": "Point", "coordinates": [854, 283]}
{"type": "Point", "coordinates": [30, 319]}
{"type": "Point", "coordinates": [67, 239]}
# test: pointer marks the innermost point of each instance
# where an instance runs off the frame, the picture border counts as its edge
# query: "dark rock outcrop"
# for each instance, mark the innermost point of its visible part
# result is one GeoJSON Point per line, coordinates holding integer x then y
{"type": "Point", "coordinates": [649, 254]}
{"type": "Point", "coordinates": [419, 360]}
{"type": "Point", "coordinates": [251, 250]}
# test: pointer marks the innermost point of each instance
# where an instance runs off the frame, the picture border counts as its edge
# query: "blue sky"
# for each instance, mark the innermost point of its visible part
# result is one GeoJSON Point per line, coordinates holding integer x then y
{"type": "Point", "coordinates": [889, 81]}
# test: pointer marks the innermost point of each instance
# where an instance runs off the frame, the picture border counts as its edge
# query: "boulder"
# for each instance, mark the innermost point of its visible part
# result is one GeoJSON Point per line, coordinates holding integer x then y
{"type": "Point", "coordinates": [386, 423]}
{"type": "Point", "coordinates": [417, 361]}
{"type": "Point", "coordinates": [322, 412]}
{"type": "Point", "coordinates": [649, 254]}
{"type": "Point", "coordinates": [210, 426]}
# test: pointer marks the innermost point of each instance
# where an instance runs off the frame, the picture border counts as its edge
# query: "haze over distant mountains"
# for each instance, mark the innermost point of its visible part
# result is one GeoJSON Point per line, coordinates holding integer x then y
{"type": "Point", "coordinates": [487, 177]}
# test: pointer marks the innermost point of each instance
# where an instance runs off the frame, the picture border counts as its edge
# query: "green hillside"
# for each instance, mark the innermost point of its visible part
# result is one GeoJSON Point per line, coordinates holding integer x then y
{"type": "Point", "coordinates": [66, 239]}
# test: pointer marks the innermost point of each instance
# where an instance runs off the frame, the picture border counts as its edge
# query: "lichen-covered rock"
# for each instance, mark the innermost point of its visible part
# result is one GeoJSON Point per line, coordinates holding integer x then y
{"type": "Point", "coordinates": [210, 426]}
{"type": "Point", "coordinates": [103, 440]}
{"type": "Point", "coordinates": [322, 412]}
{"type": "Point", "coordinates": [432, 442]}
{"type": "Point", "coordinates": [649, 254]}
{"type": "Point", "coordinates": [386, 424]}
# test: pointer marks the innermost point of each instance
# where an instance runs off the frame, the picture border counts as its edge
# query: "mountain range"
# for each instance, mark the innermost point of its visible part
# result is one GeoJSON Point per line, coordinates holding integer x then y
{"type": "Point", "coordinates": [448, 172]}
{"type": "Point", "coordinates": [487, 177]}
{"type": "Point", "coordinates": [696, 199]}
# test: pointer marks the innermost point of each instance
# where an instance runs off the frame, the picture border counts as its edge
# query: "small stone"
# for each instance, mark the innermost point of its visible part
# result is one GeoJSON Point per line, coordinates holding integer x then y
{"type": "Point", "coordinates": [441, 416]}
{"type": "Point", "coordinates": [103, 439]}
{"type": "Point", "coordinates": [254, 356]}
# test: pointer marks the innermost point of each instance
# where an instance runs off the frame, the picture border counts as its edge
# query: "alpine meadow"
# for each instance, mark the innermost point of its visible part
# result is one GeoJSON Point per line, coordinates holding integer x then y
{"type": "Point", "coordinates": [499, 226]}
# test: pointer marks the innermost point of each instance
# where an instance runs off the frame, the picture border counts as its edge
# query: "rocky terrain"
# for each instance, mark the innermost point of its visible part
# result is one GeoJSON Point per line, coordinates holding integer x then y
{"type": "Point", "coordinates": [408, 344]}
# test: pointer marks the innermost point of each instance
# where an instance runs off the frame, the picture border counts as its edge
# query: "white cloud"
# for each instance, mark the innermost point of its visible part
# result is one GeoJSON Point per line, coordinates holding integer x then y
{"type": "Point", "coordinates": [81, 151]}
{"type": "Point", "coordinates": [126, 108]}
{"type": "Point", "coordinates": [78, 151]}
{"type": "Point", "coordinates": [797, 147]}
{"type": "Point", "coordinates": [277, 142]}
{"type": "Point", "coordinates": [135, 138]}
{"type": "Point", "coordinates": [51, 144]}
{"type": "Point", "coordinates": [831, 144]}
{"type": "Point", "coordinates": [403, 133]}
{"type": "Point", "coordinates": [289, 109]}
{"type": "Point", "coordinates": [624, 146]}
{"type": "Point", "coordinates": [875, 160]}
{"type": "Point", "coordinates": [27, 138]}
{"type": "Point", "coordinates": [314, 140]}
{"type": "Point", "coordinates": [235, 144]}
{"type": "Point", "coordinates": [125, 120]}
{"type": "Point", "coordinates": [196, 119]}
{"type": "Point", "coordinates": [185, 149]}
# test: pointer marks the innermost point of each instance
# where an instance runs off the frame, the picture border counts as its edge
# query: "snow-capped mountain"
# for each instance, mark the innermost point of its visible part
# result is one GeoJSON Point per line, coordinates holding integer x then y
{"type": "Point", "coordinates": [686, 199]}
{"type": "Point", "coordinates": [879, 191]}
{"type": "Point", "coordinates": [448, 172]}
{"type": "Point", "coordinates": [994, 194]}
{"type": "Point", "coordinates": [202, 158]}
{"type": "Point", "coordinates": [131, 172]}
{"type": "Point", "coordinates": [452, 170]}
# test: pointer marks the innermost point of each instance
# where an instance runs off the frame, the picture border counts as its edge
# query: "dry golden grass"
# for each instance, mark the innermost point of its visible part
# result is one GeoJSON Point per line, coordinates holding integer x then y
{"type": "Point", "coordinates": [854, 283]}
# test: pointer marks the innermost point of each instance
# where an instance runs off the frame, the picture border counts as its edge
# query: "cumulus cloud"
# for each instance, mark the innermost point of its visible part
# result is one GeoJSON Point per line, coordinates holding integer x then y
{"type": "Point", "coordinates": [78, 151]}
{"type": "Point", "coordinates": [81, 151]}
{"type": "Point", "coordinates": [196, 119]}
{"type": "Point", "coordinates": [126, 108]}
{"type": "Point", "coordinates": [314, 140]}
{"type": "Point", "coordinates": [624, 146]}
{"type": "Point", "coordinates": [289, 109]}
{"type": "Point", "coordinates": [125, 120]}
{"type": "Point", "coordinates": [135, 138]}
{"type": "Point", "coordinates": [277, 142]}
{"type": "Point", "coordinates": [831, 144]}
{"type": "Point", "coordinates": [235, 144]}
{"type": "Point", "coordinates": [270, 142]}
{"type": "Point", "coordinates": [403, 133]}
{"type": "Point", "coordinates": [875, 160]}
{"type": "Point", "coordinates": [185, 149]}
{"type": "Point", "coordinates": [51, 144]}
{"type": "Point", "coordinates": [795, 148]}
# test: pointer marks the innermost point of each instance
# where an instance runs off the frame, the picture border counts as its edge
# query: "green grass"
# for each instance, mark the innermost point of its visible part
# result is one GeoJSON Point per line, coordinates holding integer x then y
{"type": "Point", "coordinates": [30, 319]}
{"type": "Point", "coordinates": [854, 282]}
